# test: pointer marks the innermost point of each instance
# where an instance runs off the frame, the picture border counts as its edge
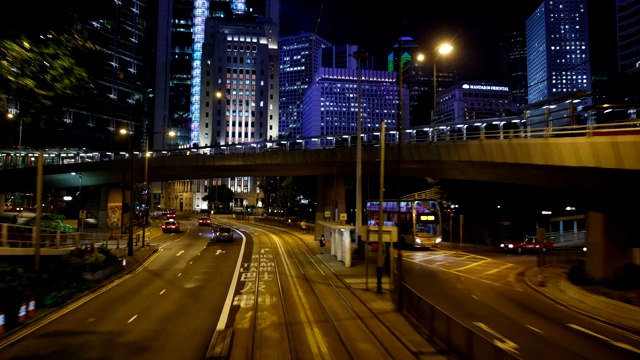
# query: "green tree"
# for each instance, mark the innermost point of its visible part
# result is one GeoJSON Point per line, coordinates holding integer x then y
{"type": "Point", "coordinates": [44, 74]}
{"type": "Point", "coordinates": [269, 186]}
{"type": "Point", "coordinates": [222, 193]}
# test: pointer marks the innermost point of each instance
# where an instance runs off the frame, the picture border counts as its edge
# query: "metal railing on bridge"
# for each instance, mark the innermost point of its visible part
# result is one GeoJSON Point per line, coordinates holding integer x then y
{"type": "Point", "coordinates": [489, 129]}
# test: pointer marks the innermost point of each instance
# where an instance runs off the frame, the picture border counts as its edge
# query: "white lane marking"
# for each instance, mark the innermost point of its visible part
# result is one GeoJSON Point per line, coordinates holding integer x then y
{"type": "Point", "coordinates": [180, 253]}
{"type": "Point", "coordinates": [222, 322]}
{"type": "Point", "coordinates": [162, 292]}
{"type": "Point", "coordinates": [502, 342]}
{"type": "Point", "coordinates": [534, 329]}
{"type": "Point", "coordinates": [475, 297]}
{"type": "Point", "coordinates": [220, 252]}
{"type": "Point", "coordinates": [616, 343]}
{"type": "Point", "coordinates": [180, 274]}
{"type": "Point", "coordinates": [133, 318]}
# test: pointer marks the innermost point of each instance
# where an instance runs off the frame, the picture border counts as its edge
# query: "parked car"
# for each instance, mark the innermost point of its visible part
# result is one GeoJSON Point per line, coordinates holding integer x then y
{"type": "Point", "coordinates": [204, 221]}
{"type": "Point", "coordinates": [171, 216]}
{"type": "Point", "coordinates": [170, 226]}
{"type": "Point", "coordinates": [224, 234]}
{"type": "Point", "coordinates": [530, 244]}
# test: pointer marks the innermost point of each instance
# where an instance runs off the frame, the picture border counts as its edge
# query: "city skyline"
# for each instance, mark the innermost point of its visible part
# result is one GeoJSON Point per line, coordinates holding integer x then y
{"type": "Point", "coordinates": [476, 30]}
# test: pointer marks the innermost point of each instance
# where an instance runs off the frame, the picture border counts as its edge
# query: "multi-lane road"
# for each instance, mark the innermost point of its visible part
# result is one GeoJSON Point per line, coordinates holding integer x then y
{"type": "Point", "coordinates": [486, 292]}
{"type": "Point", "coordinates": [267, 294]}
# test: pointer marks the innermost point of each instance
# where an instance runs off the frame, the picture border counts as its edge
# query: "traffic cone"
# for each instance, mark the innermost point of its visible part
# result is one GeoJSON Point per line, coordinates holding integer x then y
{"type": "Point", "coordinates": [31, 308]}
{"type": "Point", "coordinates": [540, 280]}
{"type": "Point", "coordinates": [1, 323]}
{"type": "Point", "coordinates": [22, 313]}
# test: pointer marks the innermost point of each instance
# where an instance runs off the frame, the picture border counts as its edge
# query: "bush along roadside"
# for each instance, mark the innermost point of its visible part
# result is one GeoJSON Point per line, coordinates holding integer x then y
{"type": "Point", "coordinates": [25, 292]}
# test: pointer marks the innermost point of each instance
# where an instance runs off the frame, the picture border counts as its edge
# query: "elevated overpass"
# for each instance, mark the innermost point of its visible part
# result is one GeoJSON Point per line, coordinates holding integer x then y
{"type": "Point", "coordinates": [583, 159]}
{"type": "Point", "coordinates": [602, 162]}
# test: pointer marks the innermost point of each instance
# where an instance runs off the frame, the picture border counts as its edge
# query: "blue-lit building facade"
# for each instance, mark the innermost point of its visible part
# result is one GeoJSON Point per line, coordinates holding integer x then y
{"type": "Point", "coordinates": [301, 56]}
{"type": "Point", "coordinates": [558, 50]}
{"type": "Point", "coordinates": [331, 102]}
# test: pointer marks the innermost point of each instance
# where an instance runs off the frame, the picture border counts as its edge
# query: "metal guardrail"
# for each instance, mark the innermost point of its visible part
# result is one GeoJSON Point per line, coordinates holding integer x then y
{"type": "Point", "coordinates": [455, 335]}
{"type": "Point", "coordinates": [21, 236]}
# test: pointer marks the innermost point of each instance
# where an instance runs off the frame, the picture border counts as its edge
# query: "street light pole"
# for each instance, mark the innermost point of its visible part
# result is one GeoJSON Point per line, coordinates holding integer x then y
{"type": "Point", "coordinates": [146, 190]}
{"type": "Point", "coordinates": [380, 213]}
{"type": "Point", "coordinates": [79, 196]}
{"type": "Point", "coordinates": [130, 239]}
{"type": "Point", "coordinates": [441, 49]}
{"type": "Point", "coordinates": [130, 231]}
{"type": "Point", "coordinates": [360, 56]}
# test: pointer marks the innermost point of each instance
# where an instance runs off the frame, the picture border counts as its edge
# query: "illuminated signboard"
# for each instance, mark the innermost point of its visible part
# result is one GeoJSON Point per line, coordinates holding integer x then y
{"type": "Point", "coordinates": [485, 87]}
{"type": "Point", "coordinates": [427, 217]}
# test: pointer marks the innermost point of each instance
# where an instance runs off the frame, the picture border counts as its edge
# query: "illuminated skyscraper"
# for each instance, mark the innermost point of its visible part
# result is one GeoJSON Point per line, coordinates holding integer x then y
{"type": "Point", "coordinates": [300, 58]}
{"type": "Point", "coordinates": [558, 49]}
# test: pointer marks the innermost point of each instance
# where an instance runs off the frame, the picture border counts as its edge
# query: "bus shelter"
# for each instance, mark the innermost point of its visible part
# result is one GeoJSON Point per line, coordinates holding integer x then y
{"type": "Point", "coordinates": [340, 237]}
{"type": "Point", "coordinates": [343, 240]}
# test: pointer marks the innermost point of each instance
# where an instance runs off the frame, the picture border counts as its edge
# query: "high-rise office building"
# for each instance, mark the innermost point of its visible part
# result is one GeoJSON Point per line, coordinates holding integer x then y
{"type": "Point", "coordinates": [93, 118]}
{"type": "Point", "coordinates": [331, 102]}
{"type": "Point", "coordinates": [628, 16]}
{"type": "Point", "coordinates": [514, 50]}
{"type": "Point", "coordinates": [239, 97]}
{"type": "Point", "coordinates": [301, 56]}
{"type": "Point", "coordinates": [180, 37]}
{"type": "Point", "coordinates": [468, 101]}
{"type": "Point", "coordinates": [196, 60]}
{"type": "Point", "coordinates": [340, 56]}
{"type": "Point", "coordinates": [558, 49]}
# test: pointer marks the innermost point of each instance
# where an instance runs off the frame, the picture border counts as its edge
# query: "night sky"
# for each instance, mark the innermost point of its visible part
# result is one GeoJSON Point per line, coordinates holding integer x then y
{"type": "Point", "coordinates": [475, 29]}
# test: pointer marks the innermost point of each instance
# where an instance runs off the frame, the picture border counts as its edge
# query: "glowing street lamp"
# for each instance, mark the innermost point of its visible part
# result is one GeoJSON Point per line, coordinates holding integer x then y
{"type": "Point", "coordinates": [442, 49]}
{"type": "Point", "coordinates": [147, 196]}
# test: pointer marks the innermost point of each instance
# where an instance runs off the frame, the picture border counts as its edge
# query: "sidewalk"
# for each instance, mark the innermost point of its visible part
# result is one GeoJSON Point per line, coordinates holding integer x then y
{"type": "Point", "coordinates": [362, 279]}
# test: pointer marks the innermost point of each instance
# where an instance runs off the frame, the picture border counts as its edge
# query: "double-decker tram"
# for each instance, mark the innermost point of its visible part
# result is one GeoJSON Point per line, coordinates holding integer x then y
{"type": "Point", "coordinates": [415, 223]}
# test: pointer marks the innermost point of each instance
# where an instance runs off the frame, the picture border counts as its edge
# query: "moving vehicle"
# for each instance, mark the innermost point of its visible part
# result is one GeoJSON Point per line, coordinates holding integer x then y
{"type": "Point", "coordinates": [171, 216]}
{"type": "Point", "coordinates": [170, 226]}
{"type": "Point", "coordinates": [204, 221]}
{"type": "Point", "coordinates": [224, 233]}
{"type": "Point", "coordinates": [530, 244]}
{"type": "Point", "coordinates": [418, 221]}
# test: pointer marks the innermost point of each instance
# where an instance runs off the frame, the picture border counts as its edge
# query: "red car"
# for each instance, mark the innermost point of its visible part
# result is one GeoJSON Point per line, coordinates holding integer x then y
{"type": "Point", "coordinates": [170, 226]}
{"type": "Point", "coordinates": [530, 244]}
{"type": "Point", "coordinates": [171, 216]}
{"type": "Point", "coordinates": [204, 221]}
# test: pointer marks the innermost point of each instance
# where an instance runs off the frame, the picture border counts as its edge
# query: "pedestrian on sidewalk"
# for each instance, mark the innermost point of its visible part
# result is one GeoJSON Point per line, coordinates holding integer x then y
{"type": "Point", "coordinates": [322, 243]}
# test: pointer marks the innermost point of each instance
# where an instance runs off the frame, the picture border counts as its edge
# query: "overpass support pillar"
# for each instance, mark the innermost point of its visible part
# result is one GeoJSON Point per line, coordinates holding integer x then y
{"type": "Point", "coordinates": [332, 202]}
{"type": "Point", "coordinates": [613, 240]}
{"type": "Point", "coordinates": [331, 198]}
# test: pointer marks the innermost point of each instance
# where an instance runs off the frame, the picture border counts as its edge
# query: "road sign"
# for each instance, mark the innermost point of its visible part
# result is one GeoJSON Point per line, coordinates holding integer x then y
{"type": "Point", "coordinates": [83, 214]}
{"type": "Point", "coordinates": [343, 216]}
{"type": "Point", "coordinates": [327, 214]}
